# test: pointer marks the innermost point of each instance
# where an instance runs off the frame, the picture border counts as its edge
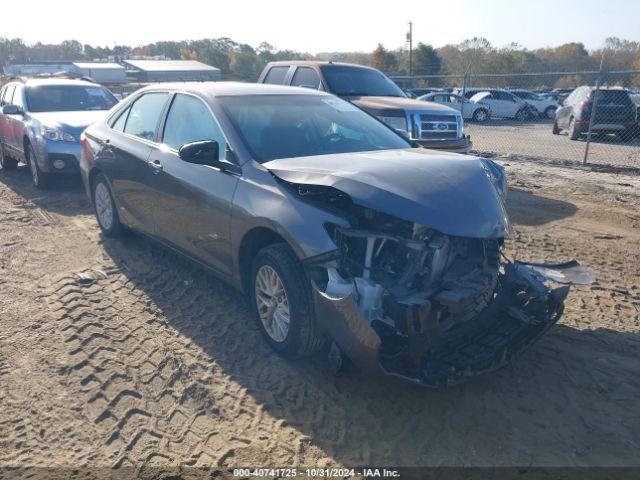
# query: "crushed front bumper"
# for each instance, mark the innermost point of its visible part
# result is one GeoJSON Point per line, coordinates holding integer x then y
{"type": "Point", "coordinates": [523, 309]}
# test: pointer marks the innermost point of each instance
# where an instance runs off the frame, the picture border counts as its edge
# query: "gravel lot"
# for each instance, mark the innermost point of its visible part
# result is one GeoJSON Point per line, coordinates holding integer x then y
{"type": "Point", "coordinates": [116, 352]}
{"type": "Point", "coordinates": [534, 139]}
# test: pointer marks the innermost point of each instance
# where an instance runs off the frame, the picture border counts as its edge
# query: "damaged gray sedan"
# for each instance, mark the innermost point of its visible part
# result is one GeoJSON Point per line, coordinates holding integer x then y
{"type": "Point", "coordinates": [340, 231]}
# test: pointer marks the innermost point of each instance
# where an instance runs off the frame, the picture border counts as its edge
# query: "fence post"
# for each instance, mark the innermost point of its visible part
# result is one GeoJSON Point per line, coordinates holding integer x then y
{"type": "Point", "coordinates": [594, 108]}
{"type": "Point", "coordinates": [464, 89]}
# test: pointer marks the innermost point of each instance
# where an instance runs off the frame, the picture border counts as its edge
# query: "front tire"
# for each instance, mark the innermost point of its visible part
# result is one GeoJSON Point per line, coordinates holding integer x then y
{"type": "Point", "coordinates": [105, 207]}
{"type": "Point", "coordinates": [550, 113]}
{"type": "Point", "coordinates": [574, 131]}
{"type": "Point", "coordinates": [281, 300]}
{"type": "Point", "coordinates": [555, 129]}
{"type": "Point", "coordinates": [522, 115]}
{"type": "Point", "coordinates": [41, 180]}
{"type": "Point", "coordinates": [6, 163]}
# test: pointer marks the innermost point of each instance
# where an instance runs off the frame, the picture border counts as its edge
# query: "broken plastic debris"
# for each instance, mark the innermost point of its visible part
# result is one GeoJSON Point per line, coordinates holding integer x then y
{"type": "Point", "coordinates": [567, 272]}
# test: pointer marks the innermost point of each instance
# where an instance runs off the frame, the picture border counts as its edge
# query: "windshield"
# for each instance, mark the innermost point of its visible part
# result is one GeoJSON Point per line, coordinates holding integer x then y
{"type": "Point", "coordinates": [285, 126]}
{"type": "Point", "coordinates": [68, 98]}
{"type": "Point", "coordinates": [358, 82]}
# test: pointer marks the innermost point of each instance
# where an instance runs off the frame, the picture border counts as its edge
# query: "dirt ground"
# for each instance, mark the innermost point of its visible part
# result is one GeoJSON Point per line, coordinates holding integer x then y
{"type": "Point", "coordinates": [116, 352]}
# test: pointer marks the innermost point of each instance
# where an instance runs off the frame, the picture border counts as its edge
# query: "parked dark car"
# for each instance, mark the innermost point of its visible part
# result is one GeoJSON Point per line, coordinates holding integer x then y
{"type": "Point", "coordinates": [41, 123]}
{"type": "Point", "coordinates": [614, 113]}
{"type": "Point", "coordinates": [429, 124]}
{"type": "Point", "coordinates": [333, 224]}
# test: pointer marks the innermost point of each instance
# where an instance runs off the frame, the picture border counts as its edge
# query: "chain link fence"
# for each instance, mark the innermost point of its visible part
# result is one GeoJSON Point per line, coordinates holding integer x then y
{"type": "Point", "coordinates": [582, 117]}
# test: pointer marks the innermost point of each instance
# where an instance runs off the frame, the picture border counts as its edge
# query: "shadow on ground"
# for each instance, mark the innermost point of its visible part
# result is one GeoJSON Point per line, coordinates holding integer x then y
{"type": "Point", "coordinates": [65, 196]}
{"type": "Point", "coordinates": [570, 400]}
{"type": "Point", "coordinates": [526, 208]}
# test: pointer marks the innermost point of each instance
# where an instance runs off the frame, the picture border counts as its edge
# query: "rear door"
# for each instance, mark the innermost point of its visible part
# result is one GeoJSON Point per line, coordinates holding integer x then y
{"type": "Point", "coordinates": [565, 111]}
{"type": "Point", "coordinates": [306, 77]}
{"type": "Point", "coordinates": [17, 127]}
{"type": "Point", "coordinates": [5, 124]}
{"type": "Point", "coordinates": [276, 75]}
{"type": "Point", "coordinates": [6, 121]}
{"type": "Point", "coordinates": [506, 104]}
{"type": "Point", "coordinates": [193, 203]}
{"type": "Point", "coordinates": [126, 160]}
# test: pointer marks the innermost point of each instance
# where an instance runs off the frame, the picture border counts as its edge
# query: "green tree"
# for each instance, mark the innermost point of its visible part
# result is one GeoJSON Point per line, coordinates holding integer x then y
{"type": "Point", "coordinates": [383, 59]}
{"type": "Point", "coordinates": [426, 60]}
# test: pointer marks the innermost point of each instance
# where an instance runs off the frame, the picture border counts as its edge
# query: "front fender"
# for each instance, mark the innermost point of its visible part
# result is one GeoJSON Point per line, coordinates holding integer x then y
{"type": "Point", "coordinates": [261, 202]}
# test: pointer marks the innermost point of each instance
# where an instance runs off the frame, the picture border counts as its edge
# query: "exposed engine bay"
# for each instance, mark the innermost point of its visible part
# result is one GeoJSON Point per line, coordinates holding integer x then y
{"type": "Point", "coordinates": [416, 303]}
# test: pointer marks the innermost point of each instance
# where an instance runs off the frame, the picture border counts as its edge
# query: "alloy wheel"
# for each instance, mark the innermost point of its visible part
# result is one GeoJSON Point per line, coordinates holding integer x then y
{"type": "Point", "coordinates": [104, 206]}
{"type": "Point", "coordinates": [33, 168]}
{"type": "Point", "coordinates": [272, 303]}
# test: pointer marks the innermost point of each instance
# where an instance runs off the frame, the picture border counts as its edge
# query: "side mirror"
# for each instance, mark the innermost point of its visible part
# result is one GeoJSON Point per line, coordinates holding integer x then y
{"type": "Point", "coordinates": [11, 109]}
{"type": "Point", "coordinates": [206, 152]}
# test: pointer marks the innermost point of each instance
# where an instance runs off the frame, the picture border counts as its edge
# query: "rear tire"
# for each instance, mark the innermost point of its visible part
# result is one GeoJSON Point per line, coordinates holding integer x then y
{"type": "Point", "coordinates": [522, 115]}
{"type": "Point", "coordinates": [6, 163]}
{"type": "Point", "coordinates": [555, 129]}
{"type": "Point", "coordinates": [40, 179]}
{"type": "Point", "coordinates": [480, 116]}
{"type": "Point", "coordinates": [302, 336]}
{"type": "Point", "coordinates": [105, 208]}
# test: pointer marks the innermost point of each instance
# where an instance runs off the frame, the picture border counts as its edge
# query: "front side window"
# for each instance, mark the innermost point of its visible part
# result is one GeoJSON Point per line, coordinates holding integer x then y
{"type": "Point", "coordinates": [189, 120]}
{"type": "Point", "coordinates": [358, 82]}
{"type": "Point", "coordinates": [144, 115]}
{"type": "Point", "coordinates": [276, 75]}
{"type": "Point", "coordinates": [306, 77]}
{"type": "Point", "coordinates": [68, 98]}
{"type": "Point", "coordinates": [284, 126]}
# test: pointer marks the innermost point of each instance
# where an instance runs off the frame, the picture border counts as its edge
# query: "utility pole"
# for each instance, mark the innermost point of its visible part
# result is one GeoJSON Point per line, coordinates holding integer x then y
{"type": "Point", "coordinates": [410, 40]}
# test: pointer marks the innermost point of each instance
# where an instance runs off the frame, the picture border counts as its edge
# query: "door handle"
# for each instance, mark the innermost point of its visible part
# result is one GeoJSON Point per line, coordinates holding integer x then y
{"type": "Point", "coordinates": [156, 166]}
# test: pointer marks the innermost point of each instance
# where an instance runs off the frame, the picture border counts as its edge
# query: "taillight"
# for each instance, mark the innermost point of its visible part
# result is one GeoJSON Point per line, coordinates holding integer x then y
{"type": "Point", "coordinates": [584, 105]}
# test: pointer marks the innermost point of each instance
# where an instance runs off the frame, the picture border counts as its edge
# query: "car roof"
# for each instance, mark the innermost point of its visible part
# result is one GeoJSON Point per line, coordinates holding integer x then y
{"type": "Point", "coordinates": [37, 82]}
{"type": "Point", "coordinates": [220, 89]}
{"type": "Point", "coordinates": [317, 63]}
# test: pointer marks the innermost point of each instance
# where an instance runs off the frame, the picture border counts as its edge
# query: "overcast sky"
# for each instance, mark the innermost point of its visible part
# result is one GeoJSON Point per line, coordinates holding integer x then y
{"type": "Point", "coordinates": [324, 25]}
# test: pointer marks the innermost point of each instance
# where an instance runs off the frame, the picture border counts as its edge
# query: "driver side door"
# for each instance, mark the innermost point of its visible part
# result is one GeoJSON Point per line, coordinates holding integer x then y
{"type": "Point", "coordinates": [194, 202]}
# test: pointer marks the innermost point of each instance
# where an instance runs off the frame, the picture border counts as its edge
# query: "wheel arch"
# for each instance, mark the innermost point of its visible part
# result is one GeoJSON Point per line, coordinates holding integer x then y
{"type": "Point", "coordinates": [252, 242]}
{"type": "Point", "coordinates": [93, 173]}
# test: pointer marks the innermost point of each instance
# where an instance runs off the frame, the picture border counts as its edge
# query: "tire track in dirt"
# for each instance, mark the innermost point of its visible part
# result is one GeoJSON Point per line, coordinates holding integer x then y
{"type": "Point", "coordinates": [116, 352]}
{"type": "Point", "coordinates": [149, 391]}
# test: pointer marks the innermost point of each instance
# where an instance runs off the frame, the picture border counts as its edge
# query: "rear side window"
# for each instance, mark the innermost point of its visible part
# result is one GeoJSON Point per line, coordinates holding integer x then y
{"type": "Point", "coordinates": [306, 77]}
{"type": "Point", "coordinates": [276, 75]}
{"type": "Point", "coordinates": [618, 97]}
{"type": "Point", "coordinates": [144, 115]}
{"type": "Point", "coordinates": [17, 96]}
{"type": "Point", "coordinates": [7, 97]}
{"type": "Point", "coordinates": [122, 119]}
{"type": "Point", "coordinates": [190, 120]}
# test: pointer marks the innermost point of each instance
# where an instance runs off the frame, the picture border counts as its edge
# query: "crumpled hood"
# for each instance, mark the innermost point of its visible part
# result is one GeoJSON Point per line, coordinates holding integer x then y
{"type": "Point", "coordinates": [381, 104]}
{"type": "Point", "coordinates": [448, 192]}
{"type": "Point", "coordinates": [70, 122]}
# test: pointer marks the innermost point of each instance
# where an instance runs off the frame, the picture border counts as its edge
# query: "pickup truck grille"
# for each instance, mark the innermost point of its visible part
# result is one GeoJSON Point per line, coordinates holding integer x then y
{"type": "Point", "coordinates": [427, 126]}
